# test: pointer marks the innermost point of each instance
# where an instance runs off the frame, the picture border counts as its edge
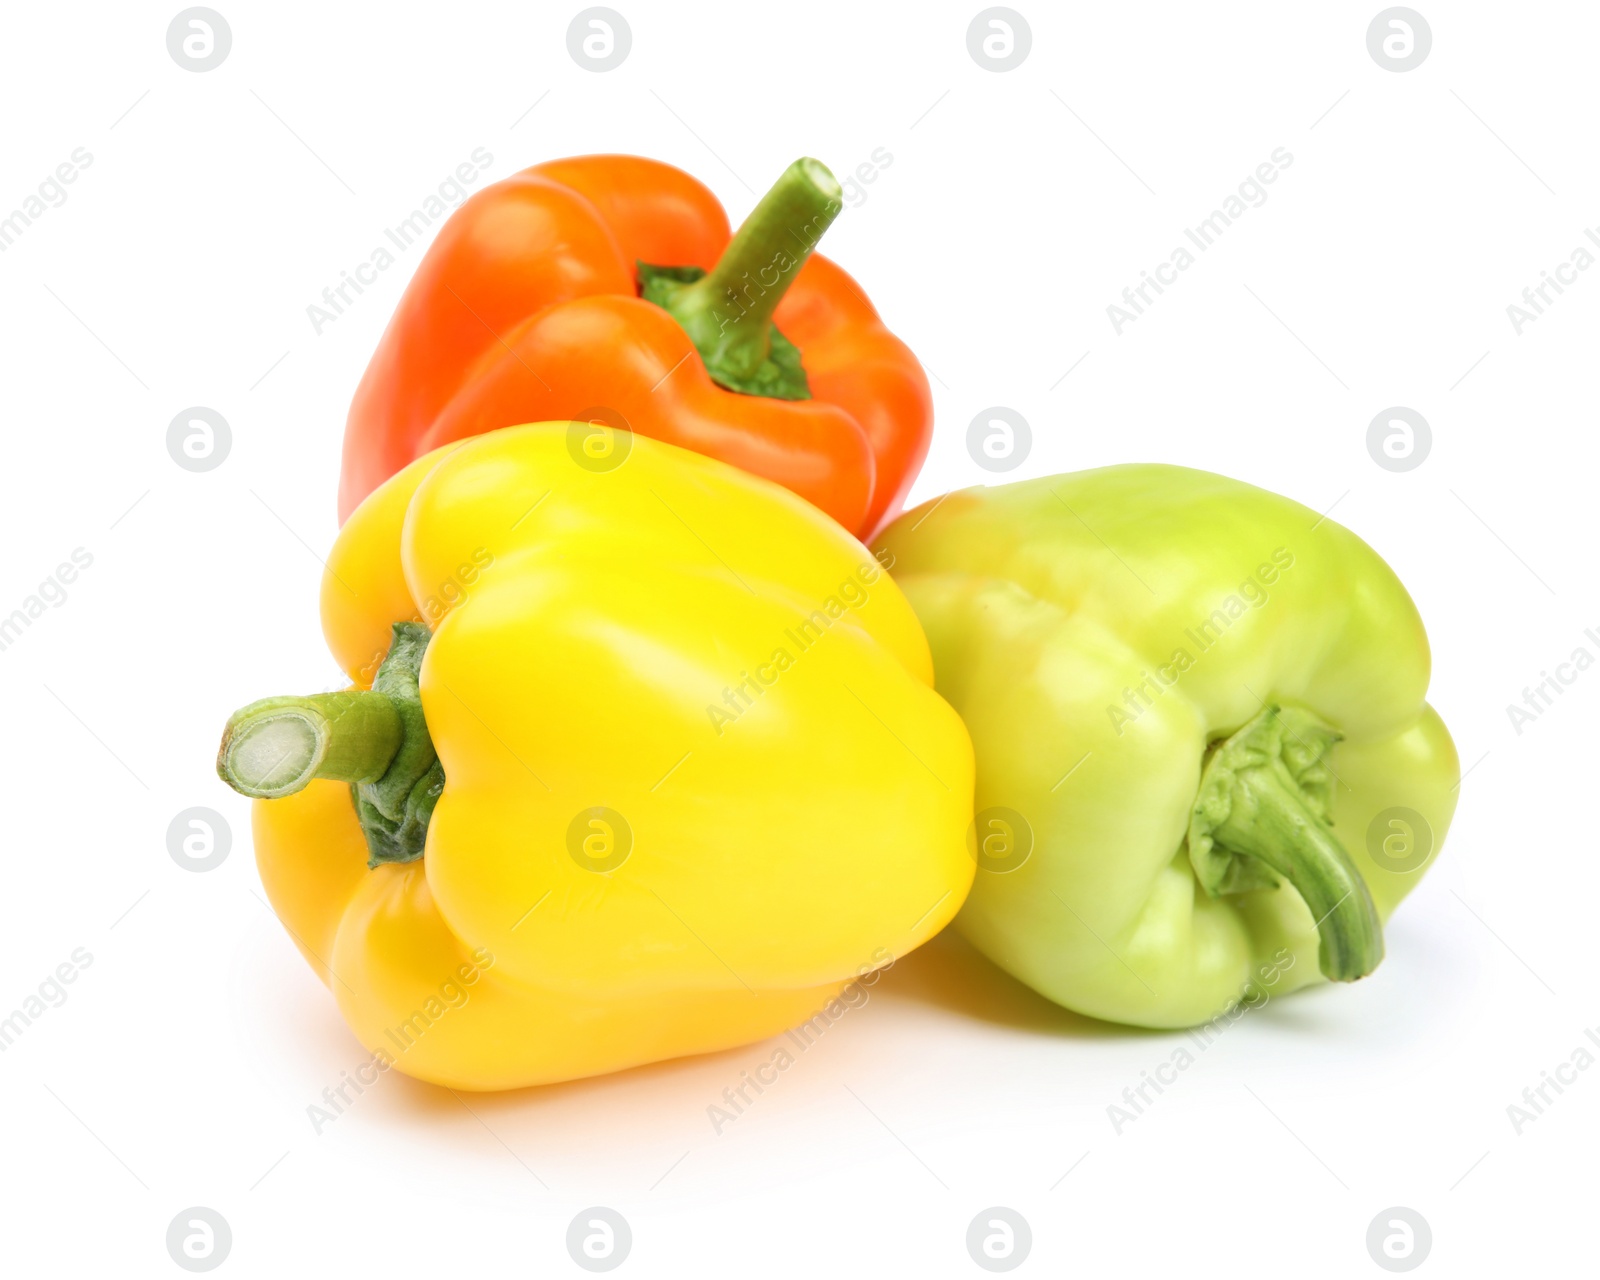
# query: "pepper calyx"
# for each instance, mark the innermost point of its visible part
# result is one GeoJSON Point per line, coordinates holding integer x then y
{"type": "Point", "coordinates": [727, 311]}
{"type": "Point", "coordinates": [394, 809]}
{"type": "Point", "coordinates": [376, 740]}
{"type": "Point", "coordinates": [780, 376]}
{"type": "Point", "coordinates": [1264, 814]}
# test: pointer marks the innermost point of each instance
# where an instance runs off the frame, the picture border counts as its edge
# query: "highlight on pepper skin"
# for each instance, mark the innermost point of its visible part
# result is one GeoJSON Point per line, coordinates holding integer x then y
{"type": "Point", "coordinates": [567, 827]}
{"type": "Point", "coordinates": [1202, 759]}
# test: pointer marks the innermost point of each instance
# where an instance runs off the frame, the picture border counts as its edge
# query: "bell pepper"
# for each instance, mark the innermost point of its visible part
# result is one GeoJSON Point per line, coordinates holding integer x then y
{"type": "Point", "coordinates": [651, 764]}
{"type": "Point", "coordinates": [1205, 762]}
{"type": "Point", "coordinates": [608, 288]}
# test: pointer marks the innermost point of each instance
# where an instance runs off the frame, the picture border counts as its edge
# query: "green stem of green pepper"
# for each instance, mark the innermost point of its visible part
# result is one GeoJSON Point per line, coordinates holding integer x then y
{"type": "Point", "coordinates": [1262, 812]}
{"type": "Point", "coordinates": [727, 312]}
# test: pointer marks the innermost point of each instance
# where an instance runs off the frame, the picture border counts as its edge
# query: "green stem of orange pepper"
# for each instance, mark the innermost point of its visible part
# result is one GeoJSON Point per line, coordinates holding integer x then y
{"type": "Point", "coordinates": [728, 311]}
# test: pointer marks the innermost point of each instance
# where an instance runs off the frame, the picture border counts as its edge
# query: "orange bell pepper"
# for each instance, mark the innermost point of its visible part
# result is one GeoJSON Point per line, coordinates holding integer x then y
{"type": "Point", "coordinates": [751, 349]}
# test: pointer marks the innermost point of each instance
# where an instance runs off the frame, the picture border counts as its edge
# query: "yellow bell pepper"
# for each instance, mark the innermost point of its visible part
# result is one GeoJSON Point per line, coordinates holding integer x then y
{"type": "Point", "coordinates": [667, 774]}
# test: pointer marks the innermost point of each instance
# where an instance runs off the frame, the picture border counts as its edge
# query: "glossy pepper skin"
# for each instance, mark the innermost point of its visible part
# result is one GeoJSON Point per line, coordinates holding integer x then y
{"type": "Point", "coordinates": [527, 308]}
{"type": "Point", "coordinates": [1172, 679]}
{"type": "Point", "coordinates": [606, 641]}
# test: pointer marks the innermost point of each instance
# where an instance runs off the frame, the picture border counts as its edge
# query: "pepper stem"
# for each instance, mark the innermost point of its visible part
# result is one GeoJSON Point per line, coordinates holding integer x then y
{"type": "Point", "coordinates": [728, 312]}
{"type": "Point", "coordinates": [1263, 812]}
{"type": "Point", "coordinates": [276, 746]}
{"type": "Point", "coordinates": [376, 740]}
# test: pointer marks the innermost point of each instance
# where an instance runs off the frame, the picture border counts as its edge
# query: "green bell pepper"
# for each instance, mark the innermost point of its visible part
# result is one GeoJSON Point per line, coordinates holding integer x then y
{"type": "Point", "coordinates": [1204, 756]}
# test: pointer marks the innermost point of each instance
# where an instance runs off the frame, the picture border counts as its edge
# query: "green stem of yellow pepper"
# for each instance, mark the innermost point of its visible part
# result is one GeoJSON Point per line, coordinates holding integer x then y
{"type": "Point", "coordinates": [1263, 812]}
{"type": "Point", "coordinates": [275, 747]}
{"type": "Point", "coordinates": [727, 312]}
{"type": "Point", "coordinates": [377, 740]}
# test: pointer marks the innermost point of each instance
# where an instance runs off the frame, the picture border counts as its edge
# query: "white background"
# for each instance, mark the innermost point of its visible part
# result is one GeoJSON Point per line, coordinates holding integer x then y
{"type": "Point", "coordinates": [1018, 205]}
